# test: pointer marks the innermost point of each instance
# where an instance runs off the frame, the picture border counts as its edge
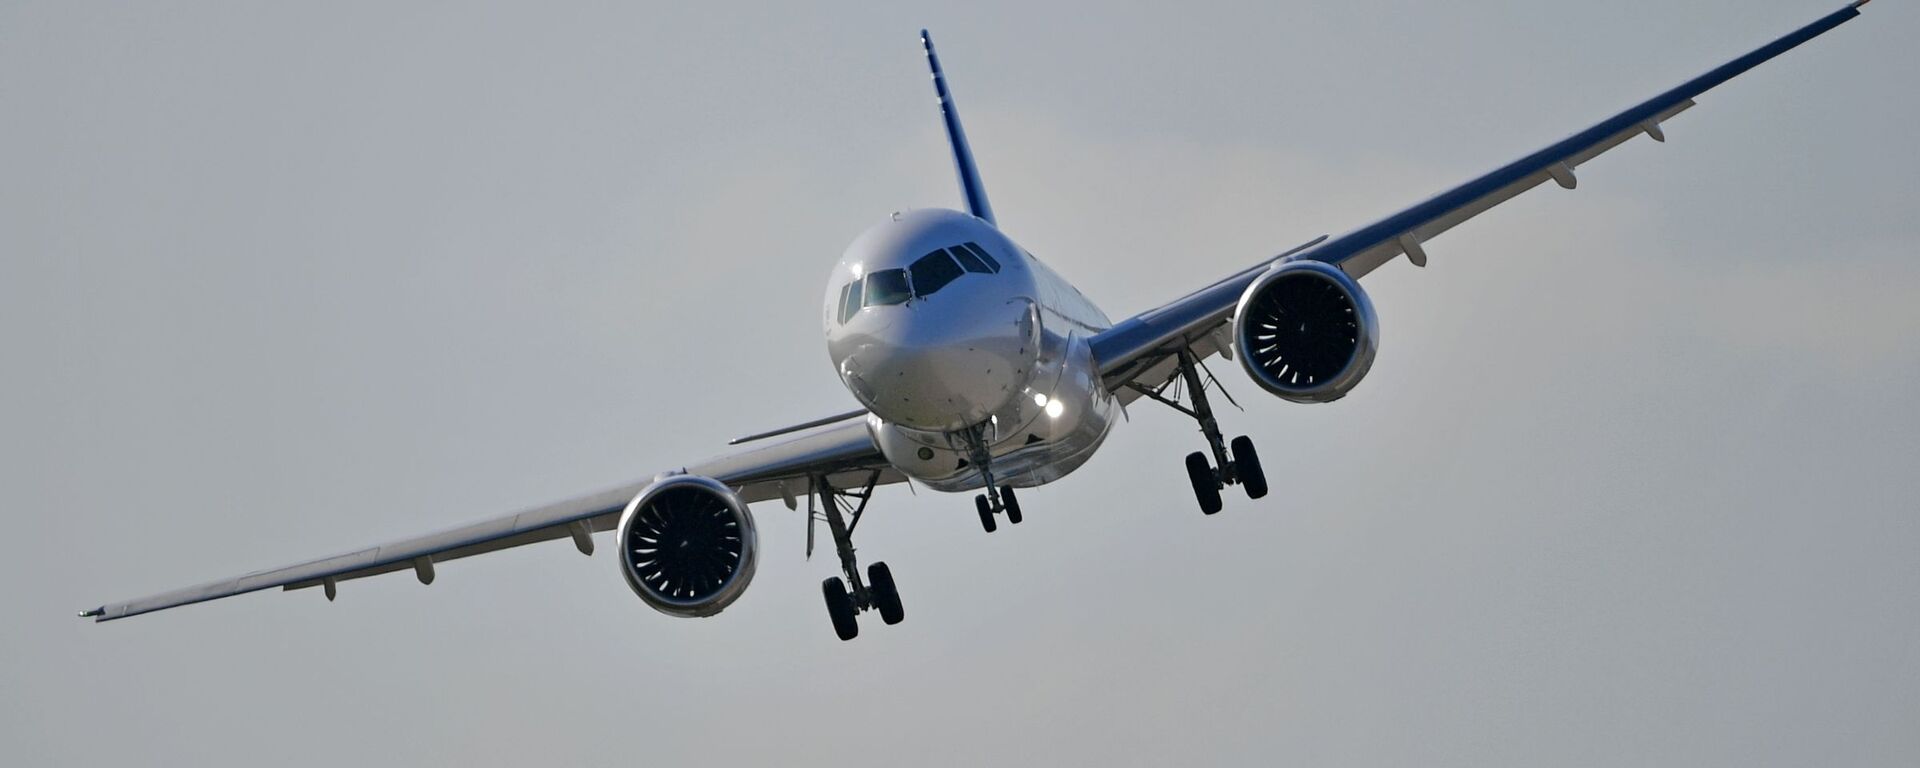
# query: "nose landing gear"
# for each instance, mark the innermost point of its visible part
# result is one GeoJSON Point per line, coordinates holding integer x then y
{"type": "Point", "coordinates": [998, 498]}
{"type": "Point", "coordinates": [1009, 504]}
{"type": "Point", "coordinates": [1240, 466]}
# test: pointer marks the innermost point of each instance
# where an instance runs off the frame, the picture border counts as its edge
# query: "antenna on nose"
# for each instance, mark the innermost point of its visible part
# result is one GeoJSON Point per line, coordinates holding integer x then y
{"type": "Point", "coordinates": [970, 185]}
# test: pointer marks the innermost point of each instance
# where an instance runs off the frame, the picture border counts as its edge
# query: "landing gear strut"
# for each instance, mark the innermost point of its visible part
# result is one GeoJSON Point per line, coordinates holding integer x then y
{"type": "Point", "coordinates": [1241, 465]}
{"type": "Point", "coordinates": [997, 499]}
{"type": "Point", "coordinates": [877, 592]}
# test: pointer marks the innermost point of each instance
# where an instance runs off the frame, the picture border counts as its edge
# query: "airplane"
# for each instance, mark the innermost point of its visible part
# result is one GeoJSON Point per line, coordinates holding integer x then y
{"type": "Point", "coordinates": [978, 368]}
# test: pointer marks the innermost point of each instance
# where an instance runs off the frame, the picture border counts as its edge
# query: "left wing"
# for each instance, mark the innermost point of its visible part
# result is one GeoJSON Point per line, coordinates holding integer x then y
{"type": "Point", "coordinates": [845, 454]}
{"type": "Point", "coordinates": [1140, 348]}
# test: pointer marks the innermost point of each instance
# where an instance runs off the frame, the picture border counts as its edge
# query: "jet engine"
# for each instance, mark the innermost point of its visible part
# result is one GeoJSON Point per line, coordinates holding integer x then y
{"type": "Point", "coordinates": [687, 546]}
{"type": "Point", "coordinates": [1306, 332]}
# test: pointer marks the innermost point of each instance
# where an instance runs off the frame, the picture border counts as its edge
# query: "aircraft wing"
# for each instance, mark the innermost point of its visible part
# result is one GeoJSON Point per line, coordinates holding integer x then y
{"type": "Point", "coordinates": [845, 454]}
{"type": "Point", "coordinates": [1140, 349]}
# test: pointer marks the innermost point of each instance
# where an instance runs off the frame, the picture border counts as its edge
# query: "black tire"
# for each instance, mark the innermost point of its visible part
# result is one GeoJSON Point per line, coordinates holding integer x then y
{"type": "Point", "coordinates": [1246, 464]}
{"type": "Point", "coordinates": [1206, 490]}
{"type": "Point", "coordinates": [840, 608]}
{"type": "Point", "coordinates": [1010, 503]}
{"type": "Point", "coordinates": [986, 512]}
{"type": "Point", "coordinates": [886, 597]}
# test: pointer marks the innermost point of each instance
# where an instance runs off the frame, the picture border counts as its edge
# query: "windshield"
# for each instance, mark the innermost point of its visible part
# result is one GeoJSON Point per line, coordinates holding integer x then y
{"type": "Point", "coordinates": [887, 286]}
{"type": "Point", "coordinates": [932, 272]}
{"type": "Point", "coordinates": [849, 300]}
{"type": "Point", "coordinates": [979, 253]}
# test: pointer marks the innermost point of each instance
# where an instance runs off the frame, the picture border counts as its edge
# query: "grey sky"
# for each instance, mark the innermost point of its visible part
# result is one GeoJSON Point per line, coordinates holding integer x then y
{"type": "Point", "coordinates": [1633, 481]}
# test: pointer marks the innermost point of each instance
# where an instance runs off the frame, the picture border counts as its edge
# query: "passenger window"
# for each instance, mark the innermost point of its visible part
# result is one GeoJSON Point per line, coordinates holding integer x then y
{"type": "Point", "coordinates": [984, 256]}
{"type": "Point", "coordinates": [932, 272]}
{"type": "Point", "coordinates": [849, 301]}
{"type": "Point", "coordinates": [971, 262]}
{"type": "Point", "coordinates": [887, 286]}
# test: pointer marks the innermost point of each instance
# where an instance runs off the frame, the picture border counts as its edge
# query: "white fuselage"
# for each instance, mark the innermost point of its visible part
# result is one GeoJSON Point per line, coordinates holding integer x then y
{"type": "Point", "coordinates": [943, 328]}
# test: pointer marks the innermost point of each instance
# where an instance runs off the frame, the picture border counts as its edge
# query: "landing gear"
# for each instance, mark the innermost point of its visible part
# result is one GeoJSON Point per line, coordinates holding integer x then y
{"type": "Point", "coordinates": [878, 592]}
{"type": "Point", "coordinates": [1009, 504]}
{"type": "Point", "coordinates": [840, 608]}
{"type": "Point", "coordinates": [1206, 485]}
{"type": "Point", "coordinates": [1241, 466]}
{"type": "Point", "coordinates": [886, 598]}
{"type": "Point", "coordinates": [1246, 466]}
{"type": "Point", "coordinates": [998, 498]}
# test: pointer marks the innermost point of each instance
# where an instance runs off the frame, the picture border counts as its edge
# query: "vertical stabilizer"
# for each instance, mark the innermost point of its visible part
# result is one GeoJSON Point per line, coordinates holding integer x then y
{"type": "Point", "coordinates": [970, 185]}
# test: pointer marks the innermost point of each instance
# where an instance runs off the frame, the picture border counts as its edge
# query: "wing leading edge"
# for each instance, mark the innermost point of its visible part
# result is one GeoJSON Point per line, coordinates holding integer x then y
{"type": "Point", "coordinates": [1135, 348]}
{"type": "Point", "coordinates": [845, 454]}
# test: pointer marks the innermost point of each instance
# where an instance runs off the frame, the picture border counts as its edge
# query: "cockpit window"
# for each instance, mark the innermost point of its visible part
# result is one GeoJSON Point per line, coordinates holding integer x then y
{"type": "Point", "coordinates": [923, 277]}
{"type": "Point", "coordinates": [992, 265]}
{"type": "Point", "coordinates": [967, 260]}
{"type": "Point", "coordinates": [887, 286]}
{"type": "Point", "coordinates": [932, 272]}
{"type": "Point", "coordinates": [849, 301]}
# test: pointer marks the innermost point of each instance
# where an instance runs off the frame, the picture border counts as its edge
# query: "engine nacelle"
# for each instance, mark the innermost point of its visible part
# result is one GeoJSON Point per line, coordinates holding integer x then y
{"type": "Point", "coordinates": [687, 546]}
{"type": "Point", "coordinates": [1306, 332]}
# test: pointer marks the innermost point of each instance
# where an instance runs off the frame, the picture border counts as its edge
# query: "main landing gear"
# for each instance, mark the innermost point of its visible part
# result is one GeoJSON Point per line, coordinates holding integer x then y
{"type": "Point", "coordinates": [997, 499]}
{"type": "Point", "coordinates": [1241, 465]}
{"type": "Point", "coordinates": [877, 592]}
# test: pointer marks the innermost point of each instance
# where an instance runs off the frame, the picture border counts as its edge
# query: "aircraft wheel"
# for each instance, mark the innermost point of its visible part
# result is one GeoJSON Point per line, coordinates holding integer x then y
{"type": "Point", "coordinates": [986, 512]}
{"type": "Point", "coordinates": [840, 608]}
{"type": "Point", "coordinates": [886, 597]}
{"type": "Point", "coordinates": [1205, 489]}
{"type": "Point", "coordinates": [1010, 503]}
{"type": "Point", "coordinates": [1246, 464]}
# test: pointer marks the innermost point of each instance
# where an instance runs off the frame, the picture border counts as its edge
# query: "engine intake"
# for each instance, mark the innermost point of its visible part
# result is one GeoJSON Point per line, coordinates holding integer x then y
{"type": "Point", "coordinates": [1306, 332]}
{"type": "Point", "coordinates": [687, 546]}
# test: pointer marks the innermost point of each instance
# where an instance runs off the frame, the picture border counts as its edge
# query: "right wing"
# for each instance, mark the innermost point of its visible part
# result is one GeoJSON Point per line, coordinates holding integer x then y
{"type": "Point", "coordinates": [1140, 349]}
{"type": "Point", "coordinates": [845, 454]}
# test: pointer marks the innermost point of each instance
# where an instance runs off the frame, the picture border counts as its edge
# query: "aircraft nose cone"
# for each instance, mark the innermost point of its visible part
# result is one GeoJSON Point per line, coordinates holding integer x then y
{"type": "Point", "coordinates": [937, 389]}
{"type": "Point", "coordinates": [943, 376]}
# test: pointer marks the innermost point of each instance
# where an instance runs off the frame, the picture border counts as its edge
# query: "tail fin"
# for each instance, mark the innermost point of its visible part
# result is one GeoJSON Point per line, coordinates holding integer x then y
{"type": "Point", "coordinates": [970, 186]}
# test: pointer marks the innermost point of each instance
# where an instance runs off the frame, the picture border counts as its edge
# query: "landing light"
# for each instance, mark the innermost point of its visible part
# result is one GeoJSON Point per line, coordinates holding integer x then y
{"type": "Point", "coordinates": [1054, 409]}
{"type": "Point", "coordinates": [1040, 399]}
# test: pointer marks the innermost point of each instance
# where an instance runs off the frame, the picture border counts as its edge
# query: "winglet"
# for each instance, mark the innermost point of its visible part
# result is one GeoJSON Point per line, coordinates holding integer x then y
{"type": "Point", "coordinates": [970, 185]}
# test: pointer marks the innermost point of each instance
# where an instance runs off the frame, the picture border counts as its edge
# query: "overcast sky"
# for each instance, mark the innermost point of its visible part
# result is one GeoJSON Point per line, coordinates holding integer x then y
{"type": "Point", "coordinates": [1633, 481]}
